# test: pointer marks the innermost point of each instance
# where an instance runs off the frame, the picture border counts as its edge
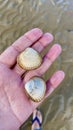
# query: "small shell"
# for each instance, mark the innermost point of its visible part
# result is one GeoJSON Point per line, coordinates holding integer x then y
{"type": "Point", "coordinates": [35, 89]}
{"type": "Point", "coordinates": [29, 59]}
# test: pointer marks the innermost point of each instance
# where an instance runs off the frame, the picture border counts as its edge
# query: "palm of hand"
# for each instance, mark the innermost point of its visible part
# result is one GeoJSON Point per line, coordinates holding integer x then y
{"type": "Point", "coordinates": [14, 103]}
{"type": "Point", "coordinates": [15, 106]}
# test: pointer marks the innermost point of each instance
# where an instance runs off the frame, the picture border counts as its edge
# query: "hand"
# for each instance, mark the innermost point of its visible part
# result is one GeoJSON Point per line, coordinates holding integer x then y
{"type": "Point", "coordinates": [15, 107]}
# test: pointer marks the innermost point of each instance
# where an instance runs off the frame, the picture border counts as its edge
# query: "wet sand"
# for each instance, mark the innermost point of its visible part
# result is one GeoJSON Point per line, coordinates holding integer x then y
{"type": "Point", "coordinates": [55, 16]}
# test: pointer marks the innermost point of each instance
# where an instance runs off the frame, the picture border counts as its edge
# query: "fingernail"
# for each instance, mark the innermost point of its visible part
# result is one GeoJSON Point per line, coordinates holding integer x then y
{"type": "Point", "coordinates": [37, 31]}
{"type": "Point", "coordinates": [34, 34]}
{"type": "Point", "coordinates": [57, 78]}
{"type": "Point", "coordinates": [49, 36]}
{"type": "Point", "coordinates": [46, 39]}
{"type": "Point", "coordinates": [54, 52]}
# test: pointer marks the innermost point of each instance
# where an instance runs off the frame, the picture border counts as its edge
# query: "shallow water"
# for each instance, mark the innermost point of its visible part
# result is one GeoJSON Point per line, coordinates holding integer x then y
{"type": "Point", "coordinates": [55, 16]}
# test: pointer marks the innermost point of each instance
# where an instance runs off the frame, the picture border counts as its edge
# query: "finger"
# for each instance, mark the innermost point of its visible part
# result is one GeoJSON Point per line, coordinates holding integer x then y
{"type": "Point", "coordinates": [49, 58]}
{"type": "Point", "coordinates": [9, 56]}
{"type": "Point", "coordinates": [43, 42]}
{"type": "Point", "coordinates": [54, 81]}
{"type": "Point", "coordinates": [38, 46]}
{"type": "Point", "coordinates": [51, 84]}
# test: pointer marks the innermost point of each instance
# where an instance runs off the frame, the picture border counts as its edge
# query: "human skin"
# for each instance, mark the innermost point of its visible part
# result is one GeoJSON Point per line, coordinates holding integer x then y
{"type": "Point", "coordinates": [15, 106]}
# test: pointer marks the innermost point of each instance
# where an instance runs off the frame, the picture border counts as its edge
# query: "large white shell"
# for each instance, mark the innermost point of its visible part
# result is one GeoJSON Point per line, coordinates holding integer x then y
{"type": "Point", "coordinates": [29, 59]}
{"type": "Point", "coordinates": [35, 88]}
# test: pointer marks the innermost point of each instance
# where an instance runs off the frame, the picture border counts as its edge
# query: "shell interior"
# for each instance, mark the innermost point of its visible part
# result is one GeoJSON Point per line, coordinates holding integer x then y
{"type": "Point", "coordinates": [36, 88]}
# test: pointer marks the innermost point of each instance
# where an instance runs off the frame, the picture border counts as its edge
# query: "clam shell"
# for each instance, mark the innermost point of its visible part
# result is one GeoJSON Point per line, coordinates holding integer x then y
{"type": "Point", "coordinates": [29, 59]}
{"type": "Point", "coordinates": [35, 88]}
